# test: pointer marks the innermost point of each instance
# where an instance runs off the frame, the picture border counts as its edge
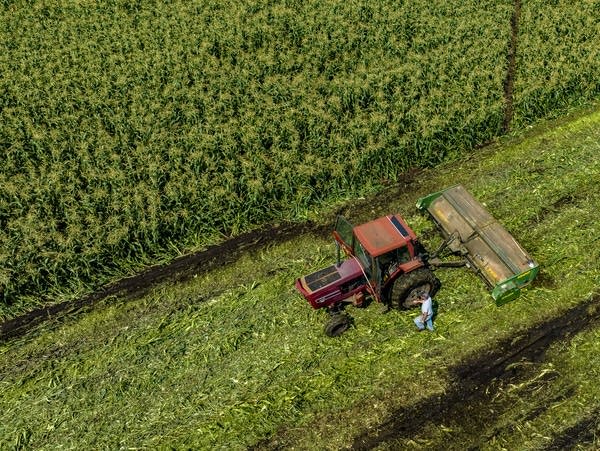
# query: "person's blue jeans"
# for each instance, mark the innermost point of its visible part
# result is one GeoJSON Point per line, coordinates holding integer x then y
{"type": "Point", "coordinates": [421, 325]}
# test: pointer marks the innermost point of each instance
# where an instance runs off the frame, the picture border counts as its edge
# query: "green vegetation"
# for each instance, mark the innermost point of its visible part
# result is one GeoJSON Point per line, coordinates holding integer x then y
{"type": "Point", "coordinates": [134, 132]}
{"type": "Point", "coordinates": [558, 58]}
{"type": "Point", "coordinates": [236, 356]}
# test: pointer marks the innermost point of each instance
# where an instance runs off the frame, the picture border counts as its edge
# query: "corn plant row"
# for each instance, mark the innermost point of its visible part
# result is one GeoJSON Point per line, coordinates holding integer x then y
{"type": "Point", "coordinates": [558, 60]}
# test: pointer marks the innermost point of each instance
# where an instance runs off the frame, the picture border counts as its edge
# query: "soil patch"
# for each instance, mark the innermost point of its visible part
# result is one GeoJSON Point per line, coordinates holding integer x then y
{"type": "Point", "coordinates": [583, 433]}
{"type": "Point", "coordinates": [478, 378]}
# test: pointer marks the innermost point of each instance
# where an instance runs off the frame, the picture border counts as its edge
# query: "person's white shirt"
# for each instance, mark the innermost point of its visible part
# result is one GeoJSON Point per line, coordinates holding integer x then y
{"type": "Point", "coordinates": [427, 307]}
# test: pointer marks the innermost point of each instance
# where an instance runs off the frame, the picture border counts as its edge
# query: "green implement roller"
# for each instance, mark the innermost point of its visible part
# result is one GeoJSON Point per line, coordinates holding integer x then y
{"type": "Point", "coordinates": [471, 231]}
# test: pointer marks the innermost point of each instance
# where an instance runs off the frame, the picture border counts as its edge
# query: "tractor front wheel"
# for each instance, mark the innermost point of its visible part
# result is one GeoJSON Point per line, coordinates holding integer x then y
{"type": "Point", "coordinates": [408, 288]}
{"type": "Point", "coordinates": [338, 324]}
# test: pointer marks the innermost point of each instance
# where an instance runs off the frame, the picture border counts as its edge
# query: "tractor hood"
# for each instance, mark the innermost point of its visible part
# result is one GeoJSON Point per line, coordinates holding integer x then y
{"type": "Point", "coordinates": [329, 285]}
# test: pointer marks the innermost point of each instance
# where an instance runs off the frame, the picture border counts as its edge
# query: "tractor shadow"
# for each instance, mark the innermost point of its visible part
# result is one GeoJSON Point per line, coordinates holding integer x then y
{"type": "Point", "coordinates": [435, 306]}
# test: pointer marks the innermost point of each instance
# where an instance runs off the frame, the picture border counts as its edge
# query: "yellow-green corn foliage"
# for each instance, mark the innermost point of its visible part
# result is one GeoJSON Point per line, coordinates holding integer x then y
{"type": "Point", "coordinates": [558, 57]}
{"type": "Point", "coordinates": [130, 130]}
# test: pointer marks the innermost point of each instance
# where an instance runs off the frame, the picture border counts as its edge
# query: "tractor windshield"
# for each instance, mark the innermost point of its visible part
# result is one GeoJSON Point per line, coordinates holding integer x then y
{"type": "Point", "coordinates": [344, 234]}
{"type": "Point", "coordinates": [364, 258]}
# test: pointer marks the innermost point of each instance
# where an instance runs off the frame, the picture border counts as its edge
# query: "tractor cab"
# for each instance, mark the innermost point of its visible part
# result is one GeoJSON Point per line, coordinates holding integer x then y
{"type": "Point", "coordinates": [384, 247]}
{"type": "Point", "coordinates": [384, 261]}
{"type": "Point", "coordinates": [377, 252]}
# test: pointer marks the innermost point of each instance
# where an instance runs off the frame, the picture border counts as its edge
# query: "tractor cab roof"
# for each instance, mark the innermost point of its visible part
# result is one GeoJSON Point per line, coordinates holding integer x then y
{"type": "Point", "coordinates": [383, 235]}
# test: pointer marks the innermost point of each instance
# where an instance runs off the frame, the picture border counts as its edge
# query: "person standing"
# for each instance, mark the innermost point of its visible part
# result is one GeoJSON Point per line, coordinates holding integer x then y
{"type": "Point", "coordinates": [425, 319]}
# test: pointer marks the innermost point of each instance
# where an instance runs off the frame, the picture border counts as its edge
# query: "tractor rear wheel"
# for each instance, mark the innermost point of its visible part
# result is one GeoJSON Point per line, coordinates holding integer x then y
{"type": "Point", "coordinates": [338, 324]}
{"type": "Point", "coordinates": [408, 287]}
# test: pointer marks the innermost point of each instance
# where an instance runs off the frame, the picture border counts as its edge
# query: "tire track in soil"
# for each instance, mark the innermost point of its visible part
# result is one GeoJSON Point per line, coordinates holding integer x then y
{"type": "Point", "coordinates": [495, 409]}
{"type": "Point", "coordinates": [179, 270]}
{"type": "Point", "coordinates": [475, 379]}
{"type": "Point", "coordinates": [509, 82]}
{"type": "Point", "coordinates": [580, 434]}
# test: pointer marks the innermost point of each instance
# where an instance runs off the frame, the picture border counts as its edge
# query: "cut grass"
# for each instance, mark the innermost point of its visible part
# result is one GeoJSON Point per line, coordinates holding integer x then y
{"type": "Point", "coordinates": [236, 357]}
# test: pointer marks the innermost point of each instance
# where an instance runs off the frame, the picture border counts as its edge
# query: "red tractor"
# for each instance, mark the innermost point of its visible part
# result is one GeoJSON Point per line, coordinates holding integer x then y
{"type": "Point", "coordinates": [387, 262]}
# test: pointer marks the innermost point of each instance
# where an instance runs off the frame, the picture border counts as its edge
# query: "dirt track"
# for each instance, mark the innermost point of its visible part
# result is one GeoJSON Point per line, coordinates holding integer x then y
{"type": "Point", "coordinates": [179, 270]}
{"type": "Point", "coordinates": [476, 381]}
{"type": "Point", "coordinates": [582, 433]}
{"type": "Point", "coordinates": [472, 403]}
{"type": "Point", "coordinates": [509, 81]}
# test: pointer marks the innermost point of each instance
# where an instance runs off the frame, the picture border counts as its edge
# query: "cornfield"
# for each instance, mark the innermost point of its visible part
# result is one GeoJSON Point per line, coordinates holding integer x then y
{"type": "Point", "coordinates": [134, 131]}
{"type": "Point", "coordinates": [559, 58]}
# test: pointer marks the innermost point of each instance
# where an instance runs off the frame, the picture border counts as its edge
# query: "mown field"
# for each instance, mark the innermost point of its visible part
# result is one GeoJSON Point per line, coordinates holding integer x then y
{"type": "Point", "coordinates": [235, 358]}
{"type": "Point", "coordinates": [134, 132]}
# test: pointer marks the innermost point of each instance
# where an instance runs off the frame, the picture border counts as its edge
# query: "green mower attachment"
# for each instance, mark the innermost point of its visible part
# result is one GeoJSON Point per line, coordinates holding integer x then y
{"type": "Point", "coordinates": [489, 248]}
